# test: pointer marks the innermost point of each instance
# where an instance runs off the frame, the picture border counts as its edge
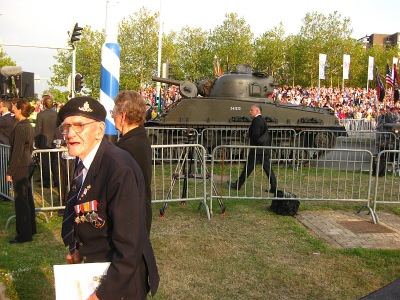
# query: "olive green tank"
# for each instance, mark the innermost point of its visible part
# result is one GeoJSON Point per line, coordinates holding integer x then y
{"type": "Point", "coordinates": [225, 103]}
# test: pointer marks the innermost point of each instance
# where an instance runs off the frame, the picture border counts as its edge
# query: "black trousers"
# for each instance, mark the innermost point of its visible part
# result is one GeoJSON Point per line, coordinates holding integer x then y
{"type": "Point", "coordinates": [259, 156]}
{"type": "Point", "coordinates": [24, 209]}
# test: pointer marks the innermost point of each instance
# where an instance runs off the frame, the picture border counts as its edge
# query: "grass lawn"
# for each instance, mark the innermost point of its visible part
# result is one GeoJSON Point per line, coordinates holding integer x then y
{"type": "Point", "coordinates": [250, 253]}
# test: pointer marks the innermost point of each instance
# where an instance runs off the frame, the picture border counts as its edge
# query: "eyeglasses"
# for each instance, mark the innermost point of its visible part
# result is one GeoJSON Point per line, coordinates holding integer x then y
{"type": "Point", "coordinates": [77, 127]}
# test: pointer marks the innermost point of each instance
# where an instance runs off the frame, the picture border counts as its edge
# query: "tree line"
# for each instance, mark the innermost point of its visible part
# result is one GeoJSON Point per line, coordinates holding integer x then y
{"type": "Point", "coordinates": [290, 59]}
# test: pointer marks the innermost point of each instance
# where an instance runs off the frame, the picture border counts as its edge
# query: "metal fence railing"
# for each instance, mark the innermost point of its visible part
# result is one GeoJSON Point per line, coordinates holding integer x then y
{"type": "Point", "coordinates": [344, 176]}
{"type": "Point", "coordinates": [387, 174]}
{"type": "Point", "coordinates": [5, 187]}
{"type": "Point", "coordinates": [198, 168]}
{"type": "Point", "coordinates": [358, 124]}
{"type": "Point", "coordinates": [181, 180]}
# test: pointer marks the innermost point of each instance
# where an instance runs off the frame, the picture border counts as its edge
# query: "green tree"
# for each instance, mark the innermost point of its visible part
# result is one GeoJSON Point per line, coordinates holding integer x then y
{"type": "Point", "coordinates": [138, 39]}
{"type": "Point", "coordinates": [270, 56]}
{"type": "Point", "coordinates": [232, 42]}
{"type": "Point", "coordinates": [294, 60]}
{"type": "Point", "coordinates": [5, 60]}
{"type": "Point", "coordinates": [329, 35]}
{"type": "Point", "coordinates": [194, 54]}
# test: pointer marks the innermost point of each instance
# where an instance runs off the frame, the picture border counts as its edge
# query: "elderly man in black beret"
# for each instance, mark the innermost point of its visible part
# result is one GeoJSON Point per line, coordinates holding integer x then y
{"type": "Point", "coordinates": [105, 218]}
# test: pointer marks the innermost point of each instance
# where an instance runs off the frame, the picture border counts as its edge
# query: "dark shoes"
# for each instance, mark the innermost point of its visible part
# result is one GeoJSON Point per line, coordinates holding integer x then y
{"type": "Point", "coordinates": [17, 241]}
{"type": "Point", "coordinates": [233, 185]}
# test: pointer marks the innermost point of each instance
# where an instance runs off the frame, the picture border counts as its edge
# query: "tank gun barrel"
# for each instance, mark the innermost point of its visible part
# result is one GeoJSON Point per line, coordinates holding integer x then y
{"type": "Point", "coordinates": [166, 80]}
{"type": "Point", "coordinates": [186, 88]}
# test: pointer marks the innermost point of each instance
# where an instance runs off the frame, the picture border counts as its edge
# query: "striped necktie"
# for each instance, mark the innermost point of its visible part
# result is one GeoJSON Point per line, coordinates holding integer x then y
{"type": "Point", "coordinates": [67, 230]}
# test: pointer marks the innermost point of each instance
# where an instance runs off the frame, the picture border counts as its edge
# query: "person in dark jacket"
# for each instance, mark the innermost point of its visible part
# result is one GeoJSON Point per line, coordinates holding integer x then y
{"type": "Point", "coordinates": [6, 121]}
{"type": "Point", "coordinates": [104, 218]}
{"type": "Point", "coordinates": [259, 136]}
{"type": "Point", "coordinates": [129, 116]}
{"type": "Point", "coordinates": [46, 124]}
{"type": "Point", "coordinates": [20, 170]}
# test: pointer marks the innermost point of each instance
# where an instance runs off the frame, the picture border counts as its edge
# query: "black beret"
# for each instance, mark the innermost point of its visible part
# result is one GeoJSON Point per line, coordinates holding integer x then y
{"type": "Point", "coordinates": [85, 107]}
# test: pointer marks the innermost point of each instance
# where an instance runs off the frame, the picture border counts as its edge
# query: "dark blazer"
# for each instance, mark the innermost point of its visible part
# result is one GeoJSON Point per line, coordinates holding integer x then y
{"type": "Point", "coordinates": [257, 128]}
{"type": "Point", "coordinates": [20, 164]}
{"type": "Point", "coordinates": [46, 122]}
{"type": "Point", "coordinates": [138, 145]}
{"type": "Point", "coordinates": [115, 180]}
{"type": "Point", "coordinates": [6, 126]}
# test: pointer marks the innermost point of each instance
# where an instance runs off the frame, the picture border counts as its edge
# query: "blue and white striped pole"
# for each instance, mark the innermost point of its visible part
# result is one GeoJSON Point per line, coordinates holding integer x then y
{"type": "Point", "coordinates": [109, 77]}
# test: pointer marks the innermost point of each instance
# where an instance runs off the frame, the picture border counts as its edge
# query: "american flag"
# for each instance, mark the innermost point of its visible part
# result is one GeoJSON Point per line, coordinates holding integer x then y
{"type": "Point", "coordinates": [389, 79]}
{"type": "Point", "coordinates": [380, 87]}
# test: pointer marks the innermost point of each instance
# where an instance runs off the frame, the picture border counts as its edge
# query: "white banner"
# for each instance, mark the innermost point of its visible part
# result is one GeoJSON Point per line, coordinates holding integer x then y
{"type": "Point", "coordinates": [370, 68]}
{"type": "Point", "coordinates": [322, 64]}
{"type": "Point", "coordinates": [346, 66]}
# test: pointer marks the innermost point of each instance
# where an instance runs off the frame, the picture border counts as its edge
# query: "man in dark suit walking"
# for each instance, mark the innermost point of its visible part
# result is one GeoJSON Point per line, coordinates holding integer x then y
{"type": "Point", "coordinates": [6, 121]}
{"type": "Point", "coordinates": [259, 136]}
{"type": "Point", "coordinates": [105, 215]}
{"type": "Point", "coordinates": [46, 124]}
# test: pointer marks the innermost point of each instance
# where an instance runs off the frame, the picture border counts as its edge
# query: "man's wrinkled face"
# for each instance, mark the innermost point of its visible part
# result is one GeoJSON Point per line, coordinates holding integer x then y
{"type": "Point", "coordinates": [254, 111]}
{"type": "Point", "coordinates": [81, 135]}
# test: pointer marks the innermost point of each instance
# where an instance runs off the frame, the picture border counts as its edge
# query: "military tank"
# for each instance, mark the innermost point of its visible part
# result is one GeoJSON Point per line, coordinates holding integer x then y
{"type": "Point", "coordinates": [224, 102]}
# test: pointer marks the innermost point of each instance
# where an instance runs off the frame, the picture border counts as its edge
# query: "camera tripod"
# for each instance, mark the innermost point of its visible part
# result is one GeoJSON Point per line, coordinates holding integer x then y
{"type": "Point", "coordinates": [186, 158]}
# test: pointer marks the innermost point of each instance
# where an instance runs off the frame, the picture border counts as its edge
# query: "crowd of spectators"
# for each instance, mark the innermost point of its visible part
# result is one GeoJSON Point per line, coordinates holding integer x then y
{"type": "Point", "coordinates": [347, 103]}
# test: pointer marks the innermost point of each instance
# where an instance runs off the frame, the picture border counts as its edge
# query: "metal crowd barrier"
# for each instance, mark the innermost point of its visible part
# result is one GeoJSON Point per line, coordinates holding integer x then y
{"type": "Point", "coordinates": [387, 184]}
{"type": "Point", "coordinates": [5, 187]}
{"type": "Point", "coordinates": [50, 198]}
{"type": "Point", "coordinates": [188, 171]}
{"type": "Point", "coordinates": [345, 176]}
{"type": "Point", "coordinates": [358, 124]}
{"type": "Point", "coordinates": [210, 138]}
{"type": "Point", "coordinates": [171, 136]}
{"type": "Point", "coordinates": [181, 180]}
{"type": "Point", "coordinates": [60, 171]}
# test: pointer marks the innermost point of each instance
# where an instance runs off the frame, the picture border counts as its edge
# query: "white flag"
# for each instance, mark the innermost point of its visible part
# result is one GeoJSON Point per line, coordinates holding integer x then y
{"type": "Point", "coordinates": [346, 66]}
{"type": "Point", "coordinates": [322, 63]}
{"type": "Point", "coordinates": [370, 68]}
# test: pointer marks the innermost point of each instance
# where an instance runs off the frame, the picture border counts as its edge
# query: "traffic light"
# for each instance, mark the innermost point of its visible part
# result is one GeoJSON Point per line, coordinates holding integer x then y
{"type": "Point", "coordinates": [78, 83]}
{"type": "Point", "coordinates": [75, 33]}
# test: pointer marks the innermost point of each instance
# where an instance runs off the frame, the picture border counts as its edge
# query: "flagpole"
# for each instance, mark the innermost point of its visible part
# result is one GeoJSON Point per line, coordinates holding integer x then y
{"type": "Point", "coordinates": [158, 84]}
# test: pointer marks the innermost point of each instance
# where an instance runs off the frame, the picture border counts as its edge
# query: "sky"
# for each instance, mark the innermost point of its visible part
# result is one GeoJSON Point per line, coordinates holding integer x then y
{"type": "Point", "coordinates": [45, 23]}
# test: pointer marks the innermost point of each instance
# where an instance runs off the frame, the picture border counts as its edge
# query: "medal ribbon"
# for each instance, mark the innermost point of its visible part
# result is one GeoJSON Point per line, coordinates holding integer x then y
{"type": "Point", "coordinates": [86, 207]}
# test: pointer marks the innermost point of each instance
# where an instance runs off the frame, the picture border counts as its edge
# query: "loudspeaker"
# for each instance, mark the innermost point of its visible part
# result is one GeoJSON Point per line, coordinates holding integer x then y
{"type": "Point", "coordinates": [3, 86]}
{"type": "Point", "coordinates": [26, 85]}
